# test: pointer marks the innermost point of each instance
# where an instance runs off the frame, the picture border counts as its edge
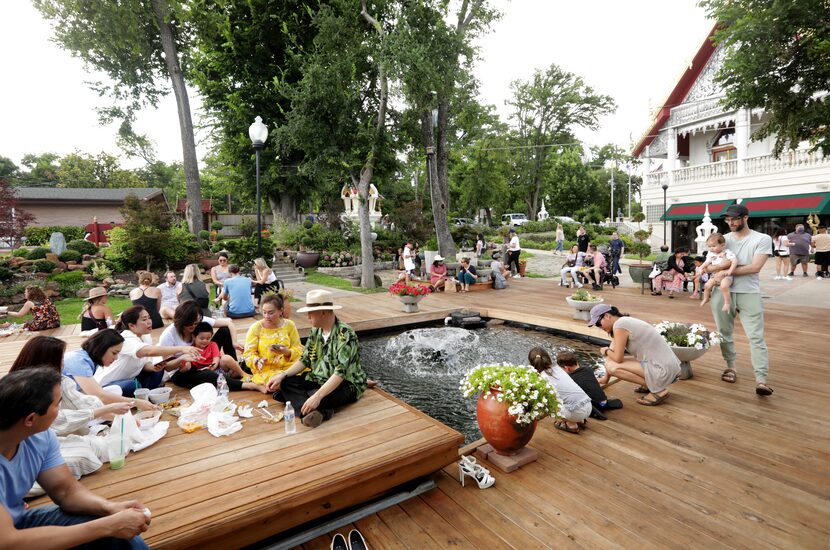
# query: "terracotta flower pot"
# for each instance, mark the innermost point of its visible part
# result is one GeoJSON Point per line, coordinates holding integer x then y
{"type": "Point", "coordinates": [499, 427]}
{"type": "Point", "coordinates": [307, 259]}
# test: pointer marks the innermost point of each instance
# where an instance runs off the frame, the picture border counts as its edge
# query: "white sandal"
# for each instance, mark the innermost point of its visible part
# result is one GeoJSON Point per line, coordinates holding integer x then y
{"type": "Point", "coordinates": [468, 467]}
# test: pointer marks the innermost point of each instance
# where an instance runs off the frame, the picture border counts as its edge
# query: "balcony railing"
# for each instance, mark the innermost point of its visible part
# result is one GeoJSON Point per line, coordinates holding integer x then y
{"type": "Point", "coordinates": [698, 110]}
{"type": "Point", "coordinates": [791, 160]}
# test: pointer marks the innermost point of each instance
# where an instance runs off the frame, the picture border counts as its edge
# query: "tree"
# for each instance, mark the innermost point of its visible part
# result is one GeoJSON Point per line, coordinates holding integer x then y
{"type": "Point", "coordinates": [777, 59]}
{"type": "Point", "coordinates": [101, 171]}
{"type": "Point", "coordinates": [13, 220]}
{"type": "Point", "coordinates": [339, 107]}
{"type": "Point", "coordinates": [8, 169]}
{"type": "Point", "coordinates": [42, 168]}
{"type": "Point", "coordinates": [139, 44]}
{"type": "Point", "coordinates": [546, 110]}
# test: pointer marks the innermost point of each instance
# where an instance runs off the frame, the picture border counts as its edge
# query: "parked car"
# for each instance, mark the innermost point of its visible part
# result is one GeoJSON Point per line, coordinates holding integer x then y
{"type": "Point", "coordinates": [514, 219]}
{"type": "Point", "coordinates": [463, 221]}
{"type": "Point", "coordinates": [565, 219]}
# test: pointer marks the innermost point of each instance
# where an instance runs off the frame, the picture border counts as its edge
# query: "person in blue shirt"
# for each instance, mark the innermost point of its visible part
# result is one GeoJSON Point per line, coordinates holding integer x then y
{"type": "Point", "coordinates": [29, 452]}
{"type": "Point", "coordinates": [237, 292]}
{"type": "Point", "coordinates": [617, 247]}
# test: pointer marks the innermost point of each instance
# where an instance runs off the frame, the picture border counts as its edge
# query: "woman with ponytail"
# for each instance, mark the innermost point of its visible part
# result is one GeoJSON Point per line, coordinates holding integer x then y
{"type": "Point", "coordinates": [574, 404]}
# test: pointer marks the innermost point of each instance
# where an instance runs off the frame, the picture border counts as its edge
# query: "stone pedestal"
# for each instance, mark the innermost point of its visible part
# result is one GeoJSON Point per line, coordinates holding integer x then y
{"type": "Point", "coordinates": [506, 463]}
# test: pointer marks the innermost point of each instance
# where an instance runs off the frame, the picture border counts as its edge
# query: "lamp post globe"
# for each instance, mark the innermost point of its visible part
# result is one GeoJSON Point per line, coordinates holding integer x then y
{"type": "Point", "coordinates": [665, 188]}
{"type": "Point", "coordinates": [258, 132]}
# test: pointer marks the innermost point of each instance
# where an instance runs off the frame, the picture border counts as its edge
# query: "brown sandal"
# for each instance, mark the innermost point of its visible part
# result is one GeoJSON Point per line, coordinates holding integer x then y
{"type": "Point", "coordinates": [763, 389]}
{"type": "Point", "coordinates": [562, 425]}
{"type": "Point", "coordinates": [729, 375]}
{"type": "Point", "coordinates": [652, 402]}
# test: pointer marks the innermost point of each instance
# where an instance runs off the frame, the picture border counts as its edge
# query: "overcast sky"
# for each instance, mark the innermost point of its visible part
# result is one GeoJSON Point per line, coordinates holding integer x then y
{"type": "Point", "coordinates": [632, 50]}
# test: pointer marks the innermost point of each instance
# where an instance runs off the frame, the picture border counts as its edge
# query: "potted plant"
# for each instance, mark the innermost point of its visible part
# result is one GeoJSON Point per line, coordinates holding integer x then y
{"type": "Point", "coordinates": [582, 301]}
{"type": "Point", "coordinates": [688, 342]}
{"type": "Point", "coordinates": [522, 267]}
{"type": "Point", "coordinates": [409, 295]}
{"type": "Point", "coordinates": [511, 400]}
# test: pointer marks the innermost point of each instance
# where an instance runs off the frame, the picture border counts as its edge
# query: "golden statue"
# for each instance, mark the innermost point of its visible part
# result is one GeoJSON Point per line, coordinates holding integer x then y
{"type": "Point", "coordinates": [813, 221]}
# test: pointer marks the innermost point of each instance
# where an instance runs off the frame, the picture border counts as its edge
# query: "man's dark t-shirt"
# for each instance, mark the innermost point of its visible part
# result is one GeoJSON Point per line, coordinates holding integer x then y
{"type": "Point", "coordinates": [582, 242]}
{"type": "Point", "coordinates": [585, 379]}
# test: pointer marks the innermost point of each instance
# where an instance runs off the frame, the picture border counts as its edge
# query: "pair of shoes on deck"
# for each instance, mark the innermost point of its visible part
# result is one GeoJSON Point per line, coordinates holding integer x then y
{"type": "Point", "coordinates": [355, 542]}
{"type": "Point", "coordinates": [467, 466]}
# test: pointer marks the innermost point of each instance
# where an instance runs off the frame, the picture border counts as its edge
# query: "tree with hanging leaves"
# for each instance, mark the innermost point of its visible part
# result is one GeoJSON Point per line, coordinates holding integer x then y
{"type": "Point", "coordinates": [13, 220]}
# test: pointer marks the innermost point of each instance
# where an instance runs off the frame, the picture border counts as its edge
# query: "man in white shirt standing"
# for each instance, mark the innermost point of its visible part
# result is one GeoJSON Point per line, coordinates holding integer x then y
{"type": "Point", "coordinates": [169, 289]}
{"type": "Point", "coordinates": [513, 252]}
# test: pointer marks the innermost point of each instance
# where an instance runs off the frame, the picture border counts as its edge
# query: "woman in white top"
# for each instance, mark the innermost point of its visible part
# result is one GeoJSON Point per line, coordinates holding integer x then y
{"type": "Point", "coordinates": [652, 363]}
{"type": "Point", "coordinates": [264, 278]}
{"type": "Point", "coordinates": [139, 363]}
{"type": "Point", "coordinates": [574, 403]}
{"type": "Point", "coordinates": [781, 251]}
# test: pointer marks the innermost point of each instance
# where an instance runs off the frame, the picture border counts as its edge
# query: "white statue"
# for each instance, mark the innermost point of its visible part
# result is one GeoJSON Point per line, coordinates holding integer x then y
{"type": "Point", "coordinates": [346, 195]}
{"type": "Point", "coordinates": [703, 231]}
{"type": "Point", "coordinates": [373, 198]}
{"type": "Point", "coordinates": [543, 214]}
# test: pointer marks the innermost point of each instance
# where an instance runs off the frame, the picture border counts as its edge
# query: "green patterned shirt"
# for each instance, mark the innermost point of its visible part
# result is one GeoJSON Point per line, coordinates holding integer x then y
{"type": "Point", "coordinates": [339, 355]}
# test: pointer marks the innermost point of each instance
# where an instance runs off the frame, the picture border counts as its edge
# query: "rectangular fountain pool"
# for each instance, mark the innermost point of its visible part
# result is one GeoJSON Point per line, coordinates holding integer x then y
{"type": "Point", "coordinates": [424, 366]}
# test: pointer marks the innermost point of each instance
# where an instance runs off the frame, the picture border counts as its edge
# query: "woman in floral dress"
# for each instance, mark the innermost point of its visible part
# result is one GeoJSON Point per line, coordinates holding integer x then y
{"type": "Point", "coordinates": [273, 344]}
{"type": "Point", "coordinates": [44, 313]}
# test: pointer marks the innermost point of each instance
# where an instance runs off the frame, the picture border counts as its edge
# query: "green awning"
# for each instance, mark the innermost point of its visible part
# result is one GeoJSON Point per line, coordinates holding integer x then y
{"type": "Point", "coordinates": [695, 210]}
{"type": "Point", "coordinates": [789, 205]}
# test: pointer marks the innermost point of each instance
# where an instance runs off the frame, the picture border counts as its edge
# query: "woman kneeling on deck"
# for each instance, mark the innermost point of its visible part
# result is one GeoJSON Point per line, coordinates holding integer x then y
{"type": "Point", "coordinates": [654, 365]}
{"type": "Point", "coordinates": [332, 359]}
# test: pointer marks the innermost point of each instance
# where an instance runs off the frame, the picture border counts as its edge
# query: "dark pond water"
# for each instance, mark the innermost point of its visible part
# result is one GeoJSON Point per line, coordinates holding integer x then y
{"type": "Point", "coordinates": [424, 366]}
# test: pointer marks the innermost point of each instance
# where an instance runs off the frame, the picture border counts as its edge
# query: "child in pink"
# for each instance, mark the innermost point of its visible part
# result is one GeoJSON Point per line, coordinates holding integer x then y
{"type": "Point", "coordinates": [718, 255]}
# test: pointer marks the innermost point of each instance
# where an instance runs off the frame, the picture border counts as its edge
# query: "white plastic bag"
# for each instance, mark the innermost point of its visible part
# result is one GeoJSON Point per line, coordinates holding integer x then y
{"type": "Point", "coordinates": [223, 423]}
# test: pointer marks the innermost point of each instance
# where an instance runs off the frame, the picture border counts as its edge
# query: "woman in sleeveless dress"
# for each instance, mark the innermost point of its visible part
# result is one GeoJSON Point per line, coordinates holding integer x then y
{"type": "Point", "coordinates": [148, 296]}
{"type": "Point", "coordinates": [44, 313]}
{"type": "Point", "coordinates": [219, 273]}
{"type": "Point", "coordinates": [264, 278]}
{"type": "Point", "coordinates": [96, 313]}
{"type": "Point", "coordinates": [194, 289]}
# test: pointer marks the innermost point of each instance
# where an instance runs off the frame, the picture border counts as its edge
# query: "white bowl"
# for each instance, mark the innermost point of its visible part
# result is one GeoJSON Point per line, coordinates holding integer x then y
{"type": "Point", "coordinates": [160, 395]}
{"type": "Point", "coordinates": [147, 419]}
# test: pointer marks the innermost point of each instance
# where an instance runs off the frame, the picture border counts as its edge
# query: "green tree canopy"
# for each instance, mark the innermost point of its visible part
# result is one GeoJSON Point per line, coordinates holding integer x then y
{"type": "Point", "coordinates": [777, 59]}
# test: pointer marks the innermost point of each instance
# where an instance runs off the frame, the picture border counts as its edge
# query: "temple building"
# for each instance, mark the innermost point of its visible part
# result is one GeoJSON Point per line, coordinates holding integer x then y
{"type": "Point", "coordinates": [697, 153]}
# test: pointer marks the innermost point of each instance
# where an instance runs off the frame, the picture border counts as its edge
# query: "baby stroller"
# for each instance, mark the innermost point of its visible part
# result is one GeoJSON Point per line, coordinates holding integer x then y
{"type": "Point", "coordinates": [607, 275]}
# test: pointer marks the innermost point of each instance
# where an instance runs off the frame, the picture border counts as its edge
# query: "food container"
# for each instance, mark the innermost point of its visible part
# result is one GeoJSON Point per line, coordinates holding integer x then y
{"type": "Point", "coordinates": [147, 419]}
{"type": "Point", "coordinates": [142, 393]}
{"type": "Point", "coordinates": [4, 310]}
{"type": "Point", "coordinates": [160, 395]}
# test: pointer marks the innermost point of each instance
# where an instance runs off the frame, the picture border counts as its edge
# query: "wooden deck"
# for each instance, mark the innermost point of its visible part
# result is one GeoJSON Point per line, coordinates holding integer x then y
{"type": "Point", "coordinates": [716, 466]}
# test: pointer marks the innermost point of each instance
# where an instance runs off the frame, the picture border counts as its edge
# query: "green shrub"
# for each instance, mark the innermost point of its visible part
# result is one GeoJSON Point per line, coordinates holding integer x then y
{"type": "Point", "coordinates": [70, 256]}
{"type": "Point", "coordinates": [308, 224]}
{"type": "Point", "coordinates": [18, 288]}
{"type": "Point", "coordinates": [216, 225]}
{"type": "Point", "coordinates": [44, 266]}
{"type": "Point", "coordinates": [152, 247]}
{"type": "Point", "coordinates": [220, 237]}
{"type": "Point", "coordinates": [100, 270]}
{"type": "Point", "coordinates": [244, 251]}
{"type": "Point", "coordinates": [6, 274]}
{"type": "Point", "coordinates": [247, 227]}
{"type": "Point", "coordinates": [37, 236]}
{"type": "Point", "coordinates": [82, 246]}
{"type": "Point", "coordinates": [69, 282]}
{"type": "Point", "coordinates": [204, 234]}
{"type": "Point", "coordinates": [38, 253]}
{"type": "Point", "coordinates": [20, 252]}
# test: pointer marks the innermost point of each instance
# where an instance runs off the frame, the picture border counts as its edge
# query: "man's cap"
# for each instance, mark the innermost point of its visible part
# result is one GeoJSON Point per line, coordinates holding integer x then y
{"type": "Point", "coordinates": [736, 211]}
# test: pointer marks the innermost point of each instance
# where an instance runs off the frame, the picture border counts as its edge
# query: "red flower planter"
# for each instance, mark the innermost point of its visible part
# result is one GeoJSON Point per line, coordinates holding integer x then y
{"type": "Point", "coordinates": [499, 427]}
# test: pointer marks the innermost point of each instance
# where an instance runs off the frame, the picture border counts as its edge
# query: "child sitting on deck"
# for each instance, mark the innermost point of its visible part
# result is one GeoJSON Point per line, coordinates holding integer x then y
{"type": "Point", "coordinates": [212, 358]}
{"type": "Point", "coordinates": [574, 404]}
{"type": "Point", "coordinates": [587, 380]}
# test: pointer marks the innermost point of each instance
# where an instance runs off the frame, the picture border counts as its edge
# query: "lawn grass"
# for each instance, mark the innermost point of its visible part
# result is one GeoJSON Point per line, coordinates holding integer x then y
{"type": "Point", "coordinates": [530, 275]}
{"type": "Point", "coordinates": [70, 308]}
{"type": "Point", "coordinates": [323, 279]}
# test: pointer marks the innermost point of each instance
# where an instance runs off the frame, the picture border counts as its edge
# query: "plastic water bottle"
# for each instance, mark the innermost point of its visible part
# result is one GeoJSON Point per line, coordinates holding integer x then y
{"type": "Point", "coordinates": [222, 385]}
{"type": "Point", "coordinates": [288, 418]}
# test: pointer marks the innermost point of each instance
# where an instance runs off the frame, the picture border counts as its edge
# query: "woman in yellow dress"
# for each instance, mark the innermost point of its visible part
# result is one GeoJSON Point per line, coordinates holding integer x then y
{"type": "Point", "coordinates": [273, 344]}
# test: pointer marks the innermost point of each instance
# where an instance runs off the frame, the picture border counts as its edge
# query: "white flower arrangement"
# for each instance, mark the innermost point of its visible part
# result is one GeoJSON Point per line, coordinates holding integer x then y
{"type": "Point", "coordinates": [528, 395]}
{"type": "Point", "coordinates": [688, 336]}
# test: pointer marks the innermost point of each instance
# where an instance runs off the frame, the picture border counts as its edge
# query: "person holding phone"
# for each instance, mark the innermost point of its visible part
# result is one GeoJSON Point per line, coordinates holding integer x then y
{"type": "Point", "coordinates": [273, 344]}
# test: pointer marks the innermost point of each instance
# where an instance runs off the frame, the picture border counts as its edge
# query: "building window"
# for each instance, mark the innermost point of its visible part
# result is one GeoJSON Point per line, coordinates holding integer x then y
{"type": "Point", "coordinates": [720, 155]}
{"type": "Point", "coordinates": [654, 212]}
{"type": "Point", "coordinates": [723, 148]}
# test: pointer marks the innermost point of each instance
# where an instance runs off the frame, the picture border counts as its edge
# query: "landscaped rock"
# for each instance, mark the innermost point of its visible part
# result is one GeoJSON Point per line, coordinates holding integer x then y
{"type": "Point", "coordinates": [83, 292]}
{"type": "Point", "coordinates": [120, 282]}
{"type": "Point", "coordinates": [62, 266]}
{"type": "Point", "coordinates": [57, 243]}
{"type": "Point", "coordinates": [88, 277]}
{"type": "Point", "coordinates": [75, 268]}
{"type": "Point", "coordinates": [108, 282]}
{"type": "Point", "coordinates": [53, 285]}
{"type": "Point", "coordinates": [52, 257]}
{"type": "Point", "coordinates": [87, 258]}
{"type": "Point", "coordinates": [17, 299]}
{"type": "Point", "coordinates": [51, 293]}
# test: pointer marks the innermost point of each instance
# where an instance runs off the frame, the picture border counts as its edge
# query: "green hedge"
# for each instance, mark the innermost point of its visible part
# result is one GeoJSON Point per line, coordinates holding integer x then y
{"type": "Point", "coordinates": [82, 246]}
{"type": "Point", "coordinates": [70, 255]}
{"type": "Point", "coordinates": [69, 282]}
{"type": "Point", "coordinates": [36, 236]}
{"type": "Point", "coordinates": [44, 266]}
{"type": "Point", "coordinates": [38, 253]}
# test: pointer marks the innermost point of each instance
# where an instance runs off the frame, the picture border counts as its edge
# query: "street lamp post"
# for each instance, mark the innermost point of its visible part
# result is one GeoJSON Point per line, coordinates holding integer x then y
{"type": "Point", "coordinates": [665, 188]}
{"type": "Point", "coordinates": [258, 132]}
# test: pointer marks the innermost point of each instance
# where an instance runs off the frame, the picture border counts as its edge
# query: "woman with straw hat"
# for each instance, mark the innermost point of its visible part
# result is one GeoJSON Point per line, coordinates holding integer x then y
{"type": "Point", "coordinates": [96, 313]}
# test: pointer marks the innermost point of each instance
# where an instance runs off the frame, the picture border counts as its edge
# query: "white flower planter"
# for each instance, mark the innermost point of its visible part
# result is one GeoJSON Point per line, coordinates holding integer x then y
{"type": "Point", "coordinates": [582, 310]}
{"type": "Point", "coordinates": [686, 356]}
{"type": "Point", "coordinates": [410, 303]}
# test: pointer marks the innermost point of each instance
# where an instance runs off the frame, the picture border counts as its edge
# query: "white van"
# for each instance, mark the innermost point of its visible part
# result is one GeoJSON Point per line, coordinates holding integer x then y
{"type": "Point", "coordinates": [514, 219]}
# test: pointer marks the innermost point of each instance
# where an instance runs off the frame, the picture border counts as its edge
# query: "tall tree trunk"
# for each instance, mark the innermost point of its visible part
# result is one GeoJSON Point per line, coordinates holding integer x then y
{"type": "Point", "coordinates": [439, 195]}
{"type": "Point", "coordinates": [189, 159]}
{"type": "Point", "coordinates": [283, 209]}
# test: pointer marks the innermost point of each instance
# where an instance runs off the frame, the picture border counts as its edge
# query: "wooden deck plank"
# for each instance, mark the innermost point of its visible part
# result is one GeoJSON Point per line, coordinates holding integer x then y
{"type": "Point", "coordinates": [715, 466]}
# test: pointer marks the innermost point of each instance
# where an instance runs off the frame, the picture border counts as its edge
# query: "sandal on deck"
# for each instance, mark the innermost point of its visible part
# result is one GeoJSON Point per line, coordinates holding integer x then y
{"type": "Point", "coordinates": [641, 389]}
{"type": "Point", "coordinates": [763, 389]}
{"type": "Point", "coordinates": [652, 402]}
{"type": "Point", "coordinates": [729, 375]}
{"type": "Point", "coordinates": [562, 425]}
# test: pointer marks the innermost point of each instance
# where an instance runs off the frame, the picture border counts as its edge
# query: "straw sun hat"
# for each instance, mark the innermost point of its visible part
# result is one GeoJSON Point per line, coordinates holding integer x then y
{"type": "Point", "coordinates": [317, 300]}
{"type": "Point", "coordinates": [96, 292]}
